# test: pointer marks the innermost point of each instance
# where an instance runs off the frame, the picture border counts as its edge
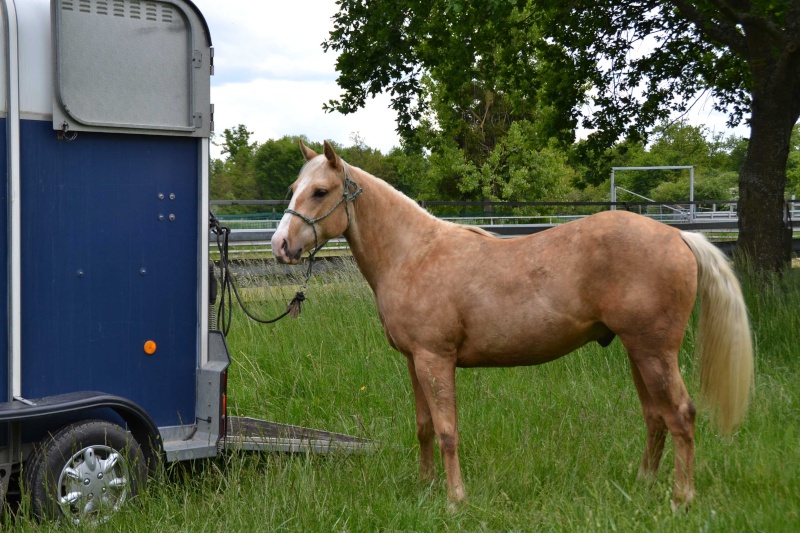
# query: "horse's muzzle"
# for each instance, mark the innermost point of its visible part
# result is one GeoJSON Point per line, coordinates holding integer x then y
{"type": "Point", "coordinates": [283, 252]}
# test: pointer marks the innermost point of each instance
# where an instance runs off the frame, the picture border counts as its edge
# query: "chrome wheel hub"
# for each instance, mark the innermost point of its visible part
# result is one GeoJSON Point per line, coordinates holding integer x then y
{"type": "Point", "coordinates": [93, 484]}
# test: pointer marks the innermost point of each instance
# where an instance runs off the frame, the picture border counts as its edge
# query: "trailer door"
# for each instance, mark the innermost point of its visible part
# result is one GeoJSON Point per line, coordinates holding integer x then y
{"type": "Point", "coordinates": [116, 117]}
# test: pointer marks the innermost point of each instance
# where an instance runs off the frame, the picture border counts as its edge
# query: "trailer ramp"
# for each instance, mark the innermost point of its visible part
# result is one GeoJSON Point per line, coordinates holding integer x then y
{"type": "Point", "coordinates": [251, 434]}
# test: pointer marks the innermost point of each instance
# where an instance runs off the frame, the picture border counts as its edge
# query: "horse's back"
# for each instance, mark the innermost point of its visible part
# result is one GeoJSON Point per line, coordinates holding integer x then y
{"type": "Point", "coordinates": [614, 243]}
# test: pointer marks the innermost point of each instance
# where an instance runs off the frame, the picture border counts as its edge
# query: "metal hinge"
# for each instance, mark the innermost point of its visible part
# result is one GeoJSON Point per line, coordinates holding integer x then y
{"type": "Point", "coordinates": [211, 59]}
{"type": "Point", "coordinates": [211, 121]}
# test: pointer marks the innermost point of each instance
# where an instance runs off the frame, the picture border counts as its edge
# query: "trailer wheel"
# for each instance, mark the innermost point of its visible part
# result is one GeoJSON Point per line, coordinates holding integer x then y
{"type": "Point", "coordinates": [84, 472]}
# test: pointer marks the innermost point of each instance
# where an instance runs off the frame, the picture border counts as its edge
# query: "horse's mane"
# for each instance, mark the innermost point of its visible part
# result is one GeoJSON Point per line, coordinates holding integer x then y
{"type": "Point", "coordinates": [384, 183]}
{"type": "Point", "coordinates": [478, 230]}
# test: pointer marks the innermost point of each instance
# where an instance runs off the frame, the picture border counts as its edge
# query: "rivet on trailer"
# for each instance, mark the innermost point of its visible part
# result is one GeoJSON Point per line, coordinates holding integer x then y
{"type": "Point", "coordinates": [113, 362]}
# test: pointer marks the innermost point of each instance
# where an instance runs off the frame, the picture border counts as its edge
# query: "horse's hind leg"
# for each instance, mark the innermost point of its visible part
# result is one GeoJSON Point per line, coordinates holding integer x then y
{"type": "Point", "coordinates": [658, 370]}
{"type": "Point", "coordinates": [425, 431]}
{"type": "Point", "coordinates": [656, 428]}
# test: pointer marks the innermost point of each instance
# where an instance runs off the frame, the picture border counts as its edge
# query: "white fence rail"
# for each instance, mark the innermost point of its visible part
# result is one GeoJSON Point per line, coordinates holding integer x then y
{"type": "Point", "coordinates": [249, 235]}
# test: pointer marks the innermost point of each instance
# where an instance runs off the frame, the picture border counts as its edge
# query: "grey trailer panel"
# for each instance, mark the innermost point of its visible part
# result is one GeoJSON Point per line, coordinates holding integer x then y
{"type": "Point", "coordinates": [200, 437]}
{"type": "Point", "coordinates": [109, 78]}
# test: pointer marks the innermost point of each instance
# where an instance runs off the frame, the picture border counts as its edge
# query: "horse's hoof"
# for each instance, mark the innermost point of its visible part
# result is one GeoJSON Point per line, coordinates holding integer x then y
{"type": "Point", "coordinates": [455, 496]}
{"type": "Point", "coordinates": [454, 506]}
{"type": "Point", "coordinates": [682, 504]}
{"type": "Point", "coordinates": [646, 477]}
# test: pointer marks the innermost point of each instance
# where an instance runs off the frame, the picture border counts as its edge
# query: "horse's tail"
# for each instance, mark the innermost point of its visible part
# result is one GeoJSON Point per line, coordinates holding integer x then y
{"type": "Point", "coordinates": [724, 345]}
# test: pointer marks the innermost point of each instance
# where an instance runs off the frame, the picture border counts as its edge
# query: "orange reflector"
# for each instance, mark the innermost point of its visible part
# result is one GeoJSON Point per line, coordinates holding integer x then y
{"type": "Point", "coordinates": [150, 347]}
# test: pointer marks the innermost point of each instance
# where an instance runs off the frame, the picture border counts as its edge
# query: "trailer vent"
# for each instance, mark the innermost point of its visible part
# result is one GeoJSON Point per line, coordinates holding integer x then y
{"type": "Point", "coordinates": [151, 12]}
{"type": "Point", "coordinates": [132, 9]}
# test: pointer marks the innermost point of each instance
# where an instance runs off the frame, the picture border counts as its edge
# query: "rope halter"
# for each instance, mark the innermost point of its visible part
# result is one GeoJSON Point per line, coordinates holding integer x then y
{"type": "Point", "coordinates": [349, 194]}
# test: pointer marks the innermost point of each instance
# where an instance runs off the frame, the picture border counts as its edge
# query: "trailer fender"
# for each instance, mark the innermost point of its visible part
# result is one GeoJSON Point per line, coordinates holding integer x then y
{"type": "Point", "coordinates": [138, 422]}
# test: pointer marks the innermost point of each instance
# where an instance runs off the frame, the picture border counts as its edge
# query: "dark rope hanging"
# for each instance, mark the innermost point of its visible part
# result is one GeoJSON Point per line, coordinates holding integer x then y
{"type": "Point", "coordinates": [228, 284]}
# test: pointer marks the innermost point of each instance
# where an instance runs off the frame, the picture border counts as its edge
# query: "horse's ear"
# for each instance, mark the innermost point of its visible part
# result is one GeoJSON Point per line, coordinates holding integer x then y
{"type": "Point", "coordinates": [308, 153]}
{"type": "Point", "coordinates": [330, 155]}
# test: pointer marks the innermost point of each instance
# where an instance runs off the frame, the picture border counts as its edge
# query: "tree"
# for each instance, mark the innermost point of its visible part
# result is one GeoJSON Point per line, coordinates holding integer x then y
{"type": "Point", "coordinates": [409, 168]}
{"type": "Point", "coordinates": [518, 170]}
{"type": "Point", "coordinates": [237, 140]}
{"type": "Point", "coordinates": [234, 178]}
{"type": "Point", "coordinates": [276, 164]}
{"type": "Point", "coordinates": [634, 62]}
{"type": "Point", "coordinates": [366, 158]}
{"type": "Point", "coordinates": [715, 159]}
{"type": "Point", "coordinates": [477, 117]}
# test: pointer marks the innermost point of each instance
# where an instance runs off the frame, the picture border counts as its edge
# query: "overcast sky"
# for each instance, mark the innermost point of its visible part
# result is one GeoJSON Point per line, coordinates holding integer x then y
{"type": "Point", "coordinates": [271, 74]}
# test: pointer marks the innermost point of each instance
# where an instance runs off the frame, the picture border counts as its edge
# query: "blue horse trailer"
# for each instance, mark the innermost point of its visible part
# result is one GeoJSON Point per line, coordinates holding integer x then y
{"type": "Point", "coordinates": [113, 364]}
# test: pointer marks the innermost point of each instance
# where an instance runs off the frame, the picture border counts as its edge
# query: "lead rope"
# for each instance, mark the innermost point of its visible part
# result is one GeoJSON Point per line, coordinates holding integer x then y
{"type": "Point", "coordinates": [228, 284]}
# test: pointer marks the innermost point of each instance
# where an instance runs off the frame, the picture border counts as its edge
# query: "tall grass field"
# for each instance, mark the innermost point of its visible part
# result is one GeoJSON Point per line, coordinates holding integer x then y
{"type": "Point", "coordinates": [548, 448]}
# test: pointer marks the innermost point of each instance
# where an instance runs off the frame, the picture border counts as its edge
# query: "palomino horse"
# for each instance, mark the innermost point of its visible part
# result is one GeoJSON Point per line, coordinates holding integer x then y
{"type": "Point", "coordinates": [452, 296]}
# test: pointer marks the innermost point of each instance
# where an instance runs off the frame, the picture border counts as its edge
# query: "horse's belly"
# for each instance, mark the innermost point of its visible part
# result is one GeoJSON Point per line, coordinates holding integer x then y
{"type": "Point", "coordinates": [511, 349]}
{"type": "Point", "coordinates": [471, 360]}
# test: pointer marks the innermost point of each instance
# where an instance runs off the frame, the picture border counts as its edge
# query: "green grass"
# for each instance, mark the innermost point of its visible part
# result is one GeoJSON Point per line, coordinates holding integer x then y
{"type": "Point", "coordinates": [548, 448]}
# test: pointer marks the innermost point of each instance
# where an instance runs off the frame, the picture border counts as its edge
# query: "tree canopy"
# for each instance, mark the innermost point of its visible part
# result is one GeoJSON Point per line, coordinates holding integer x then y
{"type": "Point", "coordinates": [616, 67]}
{"type": "Point", "coordinates": [516, 169]}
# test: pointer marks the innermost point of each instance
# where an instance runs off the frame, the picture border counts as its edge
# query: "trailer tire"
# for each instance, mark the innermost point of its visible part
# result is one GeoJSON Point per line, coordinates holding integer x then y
{"type": "Point", "coordinates": [84, 472]}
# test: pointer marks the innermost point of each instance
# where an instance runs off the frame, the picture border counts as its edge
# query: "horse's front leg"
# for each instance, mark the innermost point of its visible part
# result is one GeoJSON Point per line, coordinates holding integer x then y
{"type": "Point", "coordinates": [425, 431]}
{"type": "Point", "coordinates": [436, 376]}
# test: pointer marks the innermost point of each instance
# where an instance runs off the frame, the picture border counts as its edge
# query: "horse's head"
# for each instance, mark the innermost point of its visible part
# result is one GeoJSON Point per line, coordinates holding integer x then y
{"type": "Point", "coordinates": [319, 208]}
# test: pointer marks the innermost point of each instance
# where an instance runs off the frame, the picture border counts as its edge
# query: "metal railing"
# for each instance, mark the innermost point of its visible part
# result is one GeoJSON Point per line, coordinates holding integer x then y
{"type": "Point", "coordinates": [708, 215]}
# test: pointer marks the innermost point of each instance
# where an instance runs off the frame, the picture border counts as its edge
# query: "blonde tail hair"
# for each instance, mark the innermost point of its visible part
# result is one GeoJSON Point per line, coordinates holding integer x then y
{"type": "Point", "coordinates": [724, 344]}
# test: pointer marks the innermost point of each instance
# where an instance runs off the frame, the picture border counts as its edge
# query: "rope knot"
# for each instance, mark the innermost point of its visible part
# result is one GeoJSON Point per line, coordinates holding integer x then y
{"type": "Point", "coordinates": [296, 305]}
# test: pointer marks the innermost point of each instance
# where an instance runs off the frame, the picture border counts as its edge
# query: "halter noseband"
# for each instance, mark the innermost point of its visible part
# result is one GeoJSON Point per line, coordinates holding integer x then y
{"type": "Point", "coordinates": [347, 196]}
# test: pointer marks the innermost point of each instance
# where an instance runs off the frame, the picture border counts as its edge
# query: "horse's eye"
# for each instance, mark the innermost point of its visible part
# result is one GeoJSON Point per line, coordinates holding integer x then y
{"type": "Point", "coordinates": [320, 193]}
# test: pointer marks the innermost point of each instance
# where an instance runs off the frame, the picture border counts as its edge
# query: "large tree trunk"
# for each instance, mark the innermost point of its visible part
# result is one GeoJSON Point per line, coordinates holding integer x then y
{"type": "Point", "coordinates": [764, 232]}
{"type": "Point", "coordinates": [764, 235]}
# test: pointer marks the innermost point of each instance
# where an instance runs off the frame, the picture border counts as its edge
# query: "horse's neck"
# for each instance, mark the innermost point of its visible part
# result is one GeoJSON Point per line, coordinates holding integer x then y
{"type": "Point", "coordinates": [386, 228]}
